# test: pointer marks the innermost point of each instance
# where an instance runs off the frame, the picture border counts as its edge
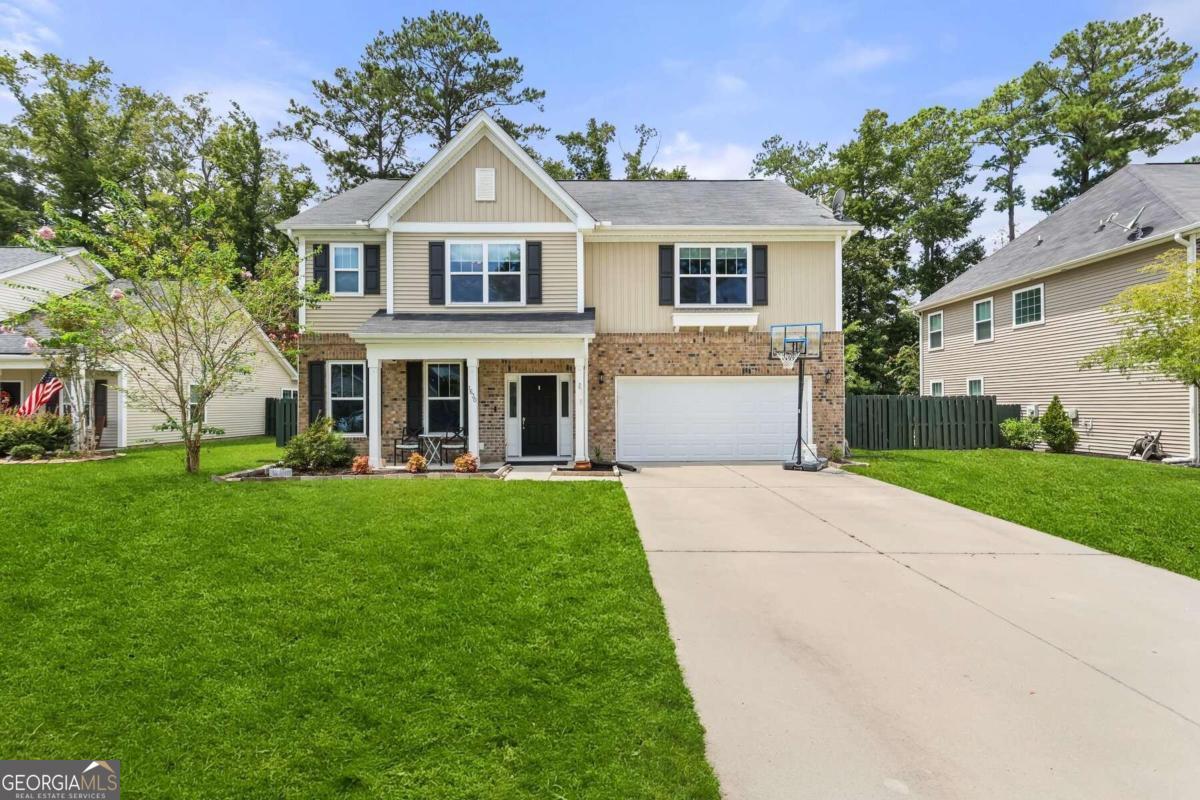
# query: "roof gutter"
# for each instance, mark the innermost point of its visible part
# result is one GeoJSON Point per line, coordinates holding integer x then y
{"type": "Point", "coordinates": [1175, 235]}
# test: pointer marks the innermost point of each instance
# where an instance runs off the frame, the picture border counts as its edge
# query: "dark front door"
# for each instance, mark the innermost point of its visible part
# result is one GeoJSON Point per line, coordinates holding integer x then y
{"type": "Point", "coordinates": [539, 420]}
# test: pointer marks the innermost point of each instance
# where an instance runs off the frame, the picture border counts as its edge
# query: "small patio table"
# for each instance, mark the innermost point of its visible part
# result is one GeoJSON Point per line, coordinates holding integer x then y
{"type": "Point", "coordinates": [431, 446]}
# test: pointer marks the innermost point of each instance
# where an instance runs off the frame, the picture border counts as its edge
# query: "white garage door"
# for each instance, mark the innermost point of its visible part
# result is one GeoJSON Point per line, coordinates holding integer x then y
{"type": "Point", "coordinates": [708, 419]}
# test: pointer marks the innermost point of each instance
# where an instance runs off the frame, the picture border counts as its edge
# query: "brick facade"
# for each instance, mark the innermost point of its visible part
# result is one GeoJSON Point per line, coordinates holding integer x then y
{"type": "Point", "coordinates": [491, 397]}
{"type": "Point", "coordinates": [719, 353]}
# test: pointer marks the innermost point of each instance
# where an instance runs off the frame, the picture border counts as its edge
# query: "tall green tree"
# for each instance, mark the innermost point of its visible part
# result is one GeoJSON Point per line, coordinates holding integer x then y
{"type": "Point", "coordinates": [1008, 122]}
{"type": "Point", "coordinates": [74, 129]}
{"type": "Point", "coordinates": [360, 126]}
{"type": "Point", "coordinates": [639, 166]}
{"type": "Point", "coordinates": [806, 167]}
{"type": "Point", "coordinates": [453, 68]}
{"type": "Point", "coordinates": [587, 153]}
{"type": "Point", "coordinates": [935, 175]}
{"type": "Point", "coordinates": [1113, 88]}
{"type": "Point", "coordinates": [20, 197]}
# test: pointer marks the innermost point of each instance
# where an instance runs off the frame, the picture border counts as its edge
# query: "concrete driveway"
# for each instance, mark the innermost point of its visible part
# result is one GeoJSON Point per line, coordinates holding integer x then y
{"type": "Point", "coordinates": [845, 638]}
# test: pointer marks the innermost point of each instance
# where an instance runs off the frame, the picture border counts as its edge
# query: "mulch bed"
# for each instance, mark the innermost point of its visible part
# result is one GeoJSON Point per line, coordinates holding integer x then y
{"type": "Point", "coordinates": [386, 473]}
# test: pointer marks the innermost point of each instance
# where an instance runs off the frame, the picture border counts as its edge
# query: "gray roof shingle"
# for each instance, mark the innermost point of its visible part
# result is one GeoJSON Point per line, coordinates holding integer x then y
{"type": "Point", "coordinates": [12, 258]}
{"type": "Point", "coordinates": [693, 202]}
{"type": "Point", "coordinates": [436, 324]}
{"type": "Point", "coordinates": [1169, 192]}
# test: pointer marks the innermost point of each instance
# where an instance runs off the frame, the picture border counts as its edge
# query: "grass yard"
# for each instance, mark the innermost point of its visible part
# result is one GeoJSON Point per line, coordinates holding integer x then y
{"type": "Point", "coordinates": [1149, 512]}
{"type": "Point", "coordinates": [407, 639]}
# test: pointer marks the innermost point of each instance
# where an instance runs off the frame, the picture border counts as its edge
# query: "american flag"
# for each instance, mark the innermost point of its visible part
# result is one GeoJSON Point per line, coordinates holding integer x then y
{"type": "Point", "coordinates": [45, 390]}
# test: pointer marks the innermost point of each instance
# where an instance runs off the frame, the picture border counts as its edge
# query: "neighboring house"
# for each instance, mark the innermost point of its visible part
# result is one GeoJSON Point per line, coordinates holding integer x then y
{"type": "Point", "coordinates": [28, 276]}
{"type": "Point", "coordinates": [1017, 324]}
{"type": "Point", "coordinates": [556, 320]}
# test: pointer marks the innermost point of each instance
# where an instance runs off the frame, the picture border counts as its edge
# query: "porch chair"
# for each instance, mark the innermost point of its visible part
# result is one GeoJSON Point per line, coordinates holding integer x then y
{"type": "Point", "coordinates": [453, 446]}
{"type": "Point", "coordinates": [408, 443]}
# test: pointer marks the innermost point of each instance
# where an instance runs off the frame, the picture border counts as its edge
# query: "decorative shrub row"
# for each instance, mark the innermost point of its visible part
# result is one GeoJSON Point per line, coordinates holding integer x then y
{"type": "Point", "coordinates": [48, 431]}
{"type": "Point", "coordinates": [1054, 428]}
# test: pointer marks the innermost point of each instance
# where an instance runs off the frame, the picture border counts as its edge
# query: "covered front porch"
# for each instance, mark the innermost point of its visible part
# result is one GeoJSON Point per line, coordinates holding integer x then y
{"type": "Point", "coordinates": [19, 374]}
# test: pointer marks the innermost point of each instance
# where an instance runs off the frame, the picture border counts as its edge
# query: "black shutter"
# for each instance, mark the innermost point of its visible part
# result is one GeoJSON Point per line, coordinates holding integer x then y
{"type": "Point", "coordinates": [371, 269]}
{"type": "Point", "coordinates": [316, 390]}
{"type": "Point", "coordinates": [533, 272]}
{"type": "Point", "coordinates": [666, 274]}
{"type": "Point", "coordinates": [321, 266]}
{"type": "Point", "coordinates": [760, 274]}
{"type": "Point", "coordinates": [437, 273]}
{"type": "Point", "coordinates": [415, 401]}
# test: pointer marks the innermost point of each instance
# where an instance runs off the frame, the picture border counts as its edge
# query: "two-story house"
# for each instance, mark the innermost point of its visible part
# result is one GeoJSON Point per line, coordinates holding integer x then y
{"type": "Point", "coordinates": [558, 320]}
{"type": "Point", "coordinates": [1018, 323]}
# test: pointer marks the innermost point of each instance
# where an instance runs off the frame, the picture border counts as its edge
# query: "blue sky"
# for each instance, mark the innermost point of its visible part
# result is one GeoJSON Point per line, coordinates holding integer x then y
{"type": "Point", "coordinates": [715, 78]}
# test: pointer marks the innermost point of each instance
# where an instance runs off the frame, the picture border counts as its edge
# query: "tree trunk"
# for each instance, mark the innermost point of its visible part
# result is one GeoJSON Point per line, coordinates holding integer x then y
{"type": "Point", "coordinates": [1012, 209]}
{"type": "Point", "coordinates": [192, 446]}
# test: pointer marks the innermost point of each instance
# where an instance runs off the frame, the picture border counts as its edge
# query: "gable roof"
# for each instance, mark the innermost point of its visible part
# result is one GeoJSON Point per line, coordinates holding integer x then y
{"type": "Point", "coordinates": [16, 259]}
{"type": "Point", "coordinates": [350, 208]}
{"type": "Point", "coordinates": [1170, 194]}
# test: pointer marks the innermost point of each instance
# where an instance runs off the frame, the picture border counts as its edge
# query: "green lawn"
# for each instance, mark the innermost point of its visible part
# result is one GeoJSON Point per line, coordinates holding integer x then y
{"type": "Point", "coordinates": [1150, 512]}
{"type": "Point", "coordinates": [408, 639]}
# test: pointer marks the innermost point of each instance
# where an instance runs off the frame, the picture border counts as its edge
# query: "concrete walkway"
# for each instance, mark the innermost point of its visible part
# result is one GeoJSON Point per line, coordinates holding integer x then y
{"type": "Point", "coordinates": [845, 638]}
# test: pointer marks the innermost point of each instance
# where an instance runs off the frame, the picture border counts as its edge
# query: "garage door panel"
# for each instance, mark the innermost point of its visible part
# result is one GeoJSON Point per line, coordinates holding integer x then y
{"type": "Point", "coordinates": [706, 418]}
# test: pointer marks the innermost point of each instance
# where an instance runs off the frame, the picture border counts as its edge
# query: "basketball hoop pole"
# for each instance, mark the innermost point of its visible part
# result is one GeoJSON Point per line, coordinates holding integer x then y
{"type": "Point", "coordinates": [790, 343]}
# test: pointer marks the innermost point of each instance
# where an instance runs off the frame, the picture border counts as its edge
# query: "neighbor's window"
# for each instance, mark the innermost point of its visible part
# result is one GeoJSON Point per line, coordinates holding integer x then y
{"type": "Point", "coordinates": [975, 387]}
{"type": "Point", "coordinates": [937, 388]}
{"type": "Point", "coordinates": [935, 331]}
{"type": "Point", "coordinates": [443, 397]}
{"type": "Point", "coordinates": [1027, 306]}
{"type": "Point", "coordinates": [712, 275]}
{"type": "Point", "coordinates": [501, 282]}
{"type": "Point", "coordinates": [10, 394]}
{"type": "Point", "coordinates": [348, 396]}
{"type": "Point", "coordinates": [983, 320]}
{"type": "Point", "coordinates": [194, 403]}
{"type": "Point", "coordinates": [347, 268]}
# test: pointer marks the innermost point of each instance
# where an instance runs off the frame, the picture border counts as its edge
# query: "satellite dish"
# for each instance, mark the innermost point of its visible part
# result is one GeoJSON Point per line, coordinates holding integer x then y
{"type": "Point", "coordinates": [839, 200]}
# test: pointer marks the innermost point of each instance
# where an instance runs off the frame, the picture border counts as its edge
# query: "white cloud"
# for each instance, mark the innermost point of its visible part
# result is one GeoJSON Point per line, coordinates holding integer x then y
{"type": "Point", "coordinates": [23, 26]}
{"type": "Point", "coordinates": [858, 57]}
{"type": "Point", "coordinates": [727, 83]}
{"type": "Point", "coordinates": [1182, 17]}
{"type": "Point", "coordinates": [711, 161]}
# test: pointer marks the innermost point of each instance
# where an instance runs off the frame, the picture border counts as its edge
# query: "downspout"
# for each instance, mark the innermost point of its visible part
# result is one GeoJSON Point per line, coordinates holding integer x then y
{"type": "Point", "coordinates": [1189, 244]}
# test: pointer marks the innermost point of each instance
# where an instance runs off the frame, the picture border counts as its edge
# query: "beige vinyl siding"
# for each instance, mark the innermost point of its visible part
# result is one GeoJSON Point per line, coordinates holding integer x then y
{"type": "Point", "coordinates": [1030, 365]}
{"type": "Point", "coordinates": [452, 198]}
{"type": "Point", "coordinates": [344, 314]}
{"type": "Point", "coordinates": [239, 411]}
{"type": "Point", "coordinates": [621, 283]}
{"type": "Point", "coordinates": [27, 289]}
{"type": "Point", "coordinates": [30, 377]}
{"type": "Point", "coordinates": [559, 271]}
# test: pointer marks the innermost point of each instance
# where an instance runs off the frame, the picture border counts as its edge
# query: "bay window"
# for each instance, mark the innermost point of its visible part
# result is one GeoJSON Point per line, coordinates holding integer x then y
{"type": "Point", "coordinates": [486, 272]}
{"type": "Point", "coordinates": [712, 275]}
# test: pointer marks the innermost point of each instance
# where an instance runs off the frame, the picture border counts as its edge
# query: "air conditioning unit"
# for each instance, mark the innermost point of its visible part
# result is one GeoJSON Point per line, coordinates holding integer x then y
{"type": "Point", "coordinates": [1030, 411]}
{"type": "Point", "coordinates": [1072, 414]}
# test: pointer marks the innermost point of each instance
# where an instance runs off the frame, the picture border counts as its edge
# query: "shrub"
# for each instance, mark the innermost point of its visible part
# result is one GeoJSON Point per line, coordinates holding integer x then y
{"type": "Point", "coordinates": [27, 452]}
{"type": "Point", "coordinates": [467, 462]}
{"type": "Point", "coordinates": [1057, 430]}
{"type": "Point", "coordinates": [361, 465]}
{"type": "Point", "coordinates": [1021, 433]}
{"type": "Point", "coordinates": [48, 431]}
{"type": "Point", "coordinates": [319, 447]}
{"type": "Point", "coordinates": [417, 463]}
{"type": "Point", "coordinates": [836, 453]}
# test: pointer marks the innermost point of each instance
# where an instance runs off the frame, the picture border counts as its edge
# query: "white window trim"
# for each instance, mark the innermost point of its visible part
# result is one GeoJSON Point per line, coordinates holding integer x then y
{"type": "Point", "coordinates": [204, 417]}
{"type": "Point", "coordinates": [329, 398]}
{"type": "Point", "coordinates": [929, 331]}
{"type": "Point", "coordinates": [982, 386]}
{"type": "Point", "coordinates": [462, 376]}
{"type": "Point", "coordinates": [295, 394]}
{"type": "Point", "coordinates": [20, 382]}
{"type": "Point", "coordinates": [1042, 318]}
{"type": "Point", "coordinates": [485, 243]}
{"type": "Point", "coordinates": [975, 321]}
{"type": "Point", "coordinates": [712, 276]}
{"type": "Point", "coordinates": [941, 384]}
{"type": "Point", "coordinates": [333, 270]}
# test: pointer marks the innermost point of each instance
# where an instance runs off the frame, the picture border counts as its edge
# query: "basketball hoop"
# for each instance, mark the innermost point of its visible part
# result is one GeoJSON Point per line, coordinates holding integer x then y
{"type": "Point", "coordinates": [792, 343]}
{"type": "Point", "coordinates": [789, 359]}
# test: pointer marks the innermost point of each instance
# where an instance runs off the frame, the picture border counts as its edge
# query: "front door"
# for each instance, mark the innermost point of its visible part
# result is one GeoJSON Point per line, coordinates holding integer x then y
{"type": "Point", "coordinates": [539, 416]}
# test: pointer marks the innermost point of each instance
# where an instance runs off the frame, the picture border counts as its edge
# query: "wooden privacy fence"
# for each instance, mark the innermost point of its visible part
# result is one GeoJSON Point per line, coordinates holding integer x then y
{"type": "Point", "coordinates": [908, 422]}
{"type": "Point", "coordinates": [281, 419]}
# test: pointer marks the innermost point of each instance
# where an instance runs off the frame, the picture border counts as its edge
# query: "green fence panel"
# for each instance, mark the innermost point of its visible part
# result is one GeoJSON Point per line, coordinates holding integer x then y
{"type": "Point", "coordinates": [903, 422]}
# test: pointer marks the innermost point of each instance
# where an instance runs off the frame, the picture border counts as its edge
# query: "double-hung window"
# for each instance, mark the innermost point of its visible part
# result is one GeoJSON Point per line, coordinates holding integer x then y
{"type": "Point", "coordinates": [712, 275]}
{"type": "Point", "coordinates": [935, 330]}
{"type": "Point", "coordinates": [348, 396]}
{"type": "Point", "coordinates": [1027, 306]}
{"type": "Point", "coordinates": [983, 320]}
{"type": "Point", "coordinates": [937, 388]}
{"type": "Point", "coordinates": [194, 403]}
{"type": "Point", "coordinates": [347, 262]}
{"type": "Point", "coordinates": [975, 387]}
{"type": "Point", "coordinates": [443, 397]}
{"type": "Point", "coordinates": [486, 272]}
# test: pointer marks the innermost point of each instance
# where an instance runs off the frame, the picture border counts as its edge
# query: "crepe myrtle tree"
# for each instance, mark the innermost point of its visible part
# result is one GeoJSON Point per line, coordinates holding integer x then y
{"type": "Point", "coordinates": [1160, 323]}
{"type": "Point", "coordinates": [182, 318]}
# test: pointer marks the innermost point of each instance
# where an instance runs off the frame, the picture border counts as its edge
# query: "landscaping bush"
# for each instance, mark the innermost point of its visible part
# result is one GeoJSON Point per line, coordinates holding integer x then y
{"type": "Point", "coordinates": [27, 452]}
{"type": "Point", "coordinates": [467, 462]}
{"type": "Point", "coordinates": [47, 431]}
{"type": "Point", "coordinates": [1021, 433]}
{"type": "Point", "coordinates": [417, 463]}
{"type": "Point", "coordinates": [319, 447]}
{"type": "Point", "coordinates": [1057, 431]}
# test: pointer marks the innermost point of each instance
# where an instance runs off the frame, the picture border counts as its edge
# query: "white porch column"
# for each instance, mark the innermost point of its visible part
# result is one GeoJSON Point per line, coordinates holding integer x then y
{"type": "Point", "coordinates": [473, 408]}
{"type": "Point", "coordinates": [581, 406]}
{"type": "Point", "coordinates": [374, 412]}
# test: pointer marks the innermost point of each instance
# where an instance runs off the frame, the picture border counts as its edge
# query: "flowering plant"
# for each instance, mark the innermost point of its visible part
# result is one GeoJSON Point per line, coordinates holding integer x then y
{"type": "Point", "coordinates": [361, 465]}
{"type": "Point", "coordinates": [467, 462]}
{"type": "Point", "coordinates": [417, 463]}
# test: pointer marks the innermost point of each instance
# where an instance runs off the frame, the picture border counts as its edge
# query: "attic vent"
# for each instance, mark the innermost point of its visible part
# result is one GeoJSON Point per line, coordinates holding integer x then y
{"type": "Point", "coordinates": [485, 183]}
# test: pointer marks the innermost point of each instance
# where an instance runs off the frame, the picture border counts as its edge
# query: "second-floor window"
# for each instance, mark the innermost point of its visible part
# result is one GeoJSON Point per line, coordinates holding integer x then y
{"type": "Point", "coordinates": [983, 320]}
{"type": "Point", "coordinates": [1027, 306]}
{"type": "Point", "coordinates": [935, 330]}
{"type": "Point", "coordinates": [486, 272]}
{"type": "Point", "coordinates": [712, 275]}
{"type": "Point", "coordinates": [347, 269]}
